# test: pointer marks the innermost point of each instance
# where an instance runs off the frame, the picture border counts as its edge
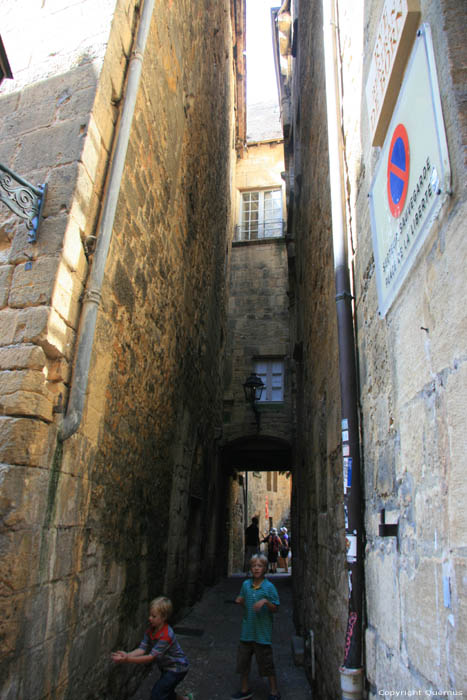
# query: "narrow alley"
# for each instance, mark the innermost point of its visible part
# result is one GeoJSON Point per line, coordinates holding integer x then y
{"type": "Point", "coordinates": [233, 245]}
{"type": "Point", "coordinates": [209, 635]}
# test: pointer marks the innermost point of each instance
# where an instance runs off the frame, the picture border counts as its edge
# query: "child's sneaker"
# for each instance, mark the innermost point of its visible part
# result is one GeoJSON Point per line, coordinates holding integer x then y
{"type": "Point", "coordinates": [241, 695]}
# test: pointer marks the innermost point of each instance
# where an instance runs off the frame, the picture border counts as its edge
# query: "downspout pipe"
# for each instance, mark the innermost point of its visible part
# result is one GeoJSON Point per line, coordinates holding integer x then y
{"type": "Point", "coordinates": [93, 294]}
{"type": "Point", "coordinates": [351, 671]}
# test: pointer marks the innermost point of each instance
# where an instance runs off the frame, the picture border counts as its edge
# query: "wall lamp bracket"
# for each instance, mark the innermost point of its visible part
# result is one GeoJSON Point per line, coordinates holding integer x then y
{"type": "Point", "coordinates": [387, 529]}
{"type": "Point", "coordinates": [24, 200]}
{"type": "Point", "coordinates": [253, 388]}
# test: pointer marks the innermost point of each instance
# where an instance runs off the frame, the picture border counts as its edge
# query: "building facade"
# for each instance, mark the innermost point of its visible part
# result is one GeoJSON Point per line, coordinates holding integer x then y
{"type": "Point", "coordinates": [172, 263]}
{"type": "Point", "coordinates": [394, 67]}
{"type": "Point", "coordinates": [257, 438]}
{"type": "Point", "coordinates": [108, 457]}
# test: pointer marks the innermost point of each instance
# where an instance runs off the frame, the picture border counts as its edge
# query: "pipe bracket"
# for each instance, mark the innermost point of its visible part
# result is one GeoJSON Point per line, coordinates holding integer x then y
{"type": "Point", "coordinates": [93, 296]}
{"type": "Point", "coordinates": [344, 295]}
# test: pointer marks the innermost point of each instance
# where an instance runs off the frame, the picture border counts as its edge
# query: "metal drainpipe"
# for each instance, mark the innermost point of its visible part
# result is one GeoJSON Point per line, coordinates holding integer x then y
{"type": "Point", "coordinates": [93, 295]}
{"type": "Point", "coordinates": [351, 672]}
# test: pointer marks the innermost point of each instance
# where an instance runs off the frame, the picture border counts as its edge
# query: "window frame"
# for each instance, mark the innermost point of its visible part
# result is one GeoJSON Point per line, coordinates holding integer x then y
{"type": "Point", "coordinates": [268, 379]}
{"type": "Point", "coordinates": [265, 227]}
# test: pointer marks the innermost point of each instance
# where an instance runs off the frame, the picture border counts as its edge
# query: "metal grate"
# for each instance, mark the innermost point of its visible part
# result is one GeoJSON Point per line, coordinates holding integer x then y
{"type": "Point", "coordinates": [259, 230]}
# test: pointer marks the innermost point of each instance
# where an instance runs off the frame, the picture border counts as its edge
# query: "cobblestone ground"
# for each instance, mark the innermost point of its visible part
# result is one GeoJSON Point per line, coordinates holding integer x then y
{"type": "Point", "coordinates": [209, 636]}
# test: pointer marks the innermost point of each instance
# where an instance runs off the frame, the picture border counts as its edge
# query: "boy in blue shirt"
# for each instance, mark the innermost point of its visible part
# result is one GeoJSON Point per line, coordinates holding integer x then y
{"type": "Point", "coordinates": [260, 600]}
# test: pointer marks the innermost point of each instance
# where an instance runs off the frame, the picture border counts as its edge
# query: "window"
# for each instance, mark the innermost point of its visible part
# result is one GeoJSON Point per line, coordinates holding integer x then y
{"type": "Point", "coordinates": [272, 374]}
{"type": "Point", "coordinates": [260, 215]}
{"type": "Point", "coordinates": [271, 484]}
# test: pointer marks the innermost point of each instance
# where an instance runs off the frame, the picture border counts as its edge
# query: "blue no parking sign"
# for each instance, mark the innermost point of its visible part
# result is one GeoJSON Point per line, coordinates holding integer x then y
{"type": "Point", "coordinates": [398, 170]}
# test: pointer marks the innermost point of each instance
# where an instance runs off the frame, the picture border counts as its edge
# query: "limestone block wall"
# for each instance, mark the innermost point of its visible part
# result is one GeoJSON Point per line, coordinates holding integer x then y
{"type": "Point", "coordinates": [412, 377]}
{"type": "Point", "coordinates": [235, 525]}
{"type": "Point", "coordinates": [120, 512]}
{"type": "Point", "coordinates": [49, 134]}
{"type": "Point", "coordinates": [259, 168]}
{"type": "Point", "coordinates": [320, 579]}
{"type": "Point", "coordinates": [258, 327]}
{"type": "Point", "coordinates": [258, 305]}
{"type": "Point", "coordinates": [411, 374]}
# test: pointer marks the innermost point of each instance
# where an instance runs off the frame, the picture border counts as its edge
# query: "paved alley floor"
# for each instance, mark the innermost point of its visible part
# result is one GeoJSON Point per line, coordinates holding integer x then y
{"type": "Point", "coordinates": [209, 636]}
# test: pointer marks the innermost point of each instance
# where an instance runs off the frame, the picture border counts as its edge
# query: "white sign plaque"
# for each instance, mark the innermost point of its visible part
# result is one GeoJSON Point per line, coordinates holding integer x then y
{"type": "Point", "coordinates": [412, 178]}
{"type": "Point", "coordinates": [394, 39]}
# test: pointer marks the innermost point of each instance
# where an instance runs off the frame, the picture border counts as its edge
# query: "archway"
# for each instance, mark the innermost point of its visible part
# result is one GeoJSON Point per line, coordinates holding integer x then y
{"type": "Point", "coordinates": [259, 469]}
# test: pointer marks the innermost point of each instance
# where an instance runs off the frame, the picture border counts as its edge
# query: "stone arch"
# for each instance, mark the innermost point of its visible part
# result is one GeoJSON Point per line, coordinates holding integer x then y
{"type": "Point", "coordinates": [257, 452]}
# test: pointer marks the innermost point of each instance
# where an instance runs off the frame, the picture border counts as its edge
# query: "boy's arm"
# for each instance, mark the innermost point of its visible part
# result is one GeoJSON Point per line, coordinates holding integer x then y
{"type": "Point", "coordinates": [272, 606]}
{"type": "Point", "coordinates": [240, 599]}
{"type": "Point", "coordinates": [137, 652]}
{"type": "Point", "coordinates": [264, 601]}
{"type": "Point", "coordinates": [271, 600]}
{"type": "Point", "coordinates": [137, 656]}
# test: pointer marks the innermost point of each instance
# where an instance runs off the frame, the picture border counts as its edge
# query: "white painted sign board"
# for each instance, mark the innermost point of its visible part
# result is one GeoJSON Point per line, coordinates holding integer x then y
{"type": "Point", "coordinates": [412, 178]}
{"type": "Point", "coordinates": [394, 39]}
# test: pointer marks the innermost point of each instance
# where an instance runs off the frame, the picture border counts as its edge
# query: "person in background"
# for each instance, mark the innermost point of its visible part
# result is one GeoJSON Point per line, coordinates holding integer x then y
{"type": "Point", "coordinates": [284, 550]}
{"type": "Point", "coordinates": [274, 545]}
{"type": "Point", "coordinates": [251, 542]}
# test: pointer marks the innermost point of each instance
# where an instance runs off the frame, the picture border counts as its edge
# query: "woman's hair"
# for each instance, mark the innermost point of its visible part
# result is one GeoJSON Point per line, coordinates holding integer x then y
{"type": "Point", "coordinates": [262, 560]}
{"type": "Point", "coordinates": [163, 606]}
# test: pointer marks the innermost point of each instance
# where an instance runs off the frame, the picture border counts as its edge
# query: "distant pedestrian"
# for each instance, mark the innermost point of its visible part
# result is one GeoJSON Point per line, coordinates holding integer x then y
{"type": "Point", "coordinates": [251, 542]}
{"type": "Point", "coordinates": [274, 544]}
{"type": "Point", "coordinates": [284, 550]}
{"type": "Point", "coordinates": [260, 600]}
{"type": "Point", "coordinates": [159, 644]}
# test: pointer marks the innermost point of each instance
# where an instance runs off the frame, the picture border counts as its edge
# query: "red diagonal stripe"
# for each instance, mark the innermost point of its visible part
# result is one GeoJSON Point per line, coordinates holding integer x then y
{"type": "Point", "coordinates": [397, 171]}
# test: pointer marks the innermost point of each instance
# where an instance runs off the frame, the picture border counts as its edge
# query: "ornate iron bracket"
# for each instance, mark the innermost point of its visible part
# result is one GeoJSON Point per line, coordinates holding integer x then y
{"type": "Point", "coordinates": [24, 199]}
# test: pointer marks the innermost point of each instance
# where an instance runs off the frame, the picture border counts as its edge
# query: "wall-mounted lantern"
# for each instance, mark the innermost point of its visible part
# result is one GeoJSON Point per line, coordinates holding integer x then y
{"type": "Point", "coordinates": [253, 388]}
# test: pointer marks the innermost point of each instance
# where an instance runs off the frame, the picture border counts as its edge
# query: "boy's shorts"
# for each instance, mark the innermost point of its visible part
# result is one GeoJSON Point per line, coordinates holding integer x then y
{"type": "Point", "coordinates": [264, 659]}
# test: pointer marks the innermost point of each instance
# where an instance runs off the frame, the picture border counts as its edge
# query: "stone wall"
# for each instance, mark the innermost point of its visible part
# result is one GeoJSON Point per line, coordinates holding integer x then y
{"type": "Point", "coordinates": [411, 375]}
{"type": "Point", "coordinates": [320, 586]}
{"type": "Point", "coordinates": [128, 507]}
{"type": "Point", "coordinates": [257, 327]}
{"type": "Point", "coordinates": [258, 306]}
{"type": "Point", "coordinates": [412, 378]}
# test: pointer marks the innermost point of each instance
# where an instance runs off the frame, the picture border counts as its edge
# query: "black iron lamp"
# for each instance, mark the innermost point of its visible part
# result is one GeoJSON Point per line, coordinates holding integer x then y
{"type": "Point", "coordinates": [253, 388]}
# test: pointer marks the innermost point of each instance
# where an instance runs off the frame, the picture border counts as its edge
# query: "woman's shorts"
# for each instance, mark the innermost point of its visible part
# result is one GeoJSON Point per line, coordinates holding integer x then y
{"type": "Point", "coordinates": [264, 659]}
